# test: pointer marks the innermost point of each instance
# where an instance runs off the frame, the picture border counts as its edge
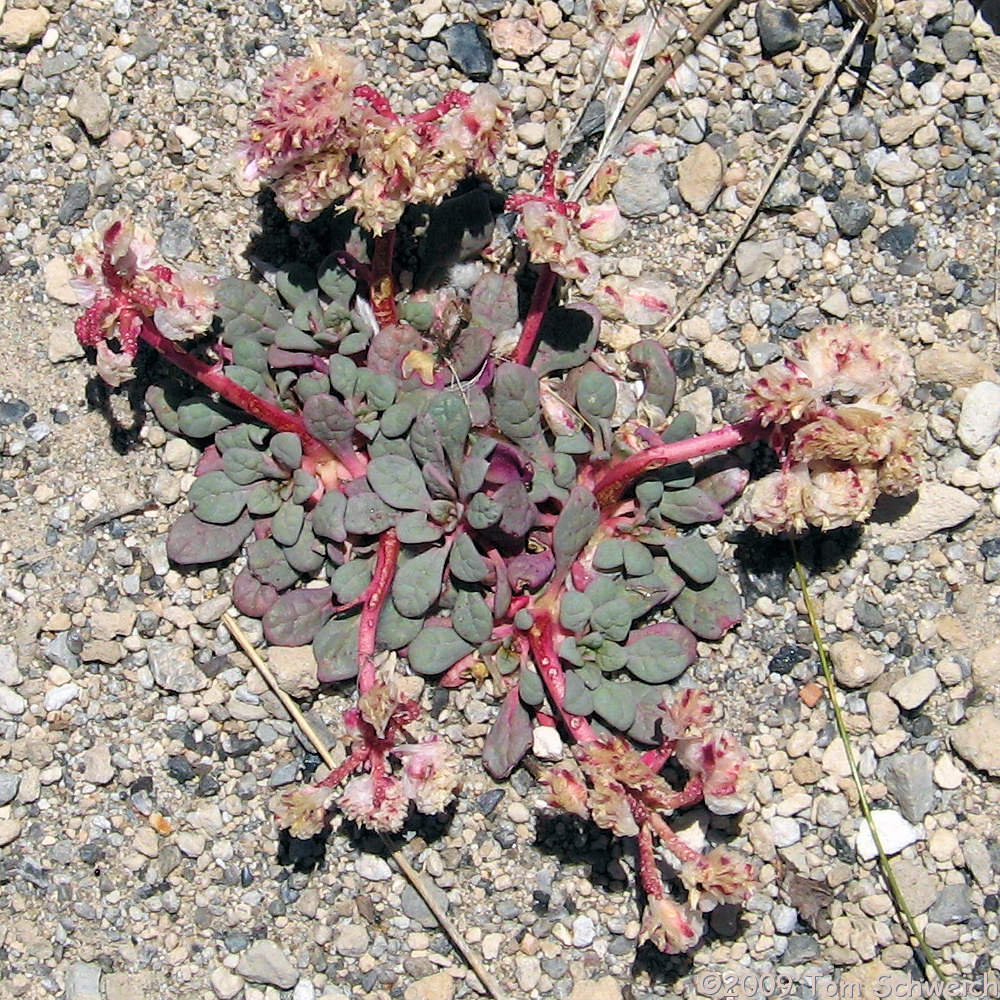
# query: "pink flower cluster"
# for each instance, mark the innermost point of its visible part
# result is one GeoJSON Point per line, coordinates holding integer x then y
{"type": "Point", "coordinates": [374, 794]}
{"type": "Point", "coordinates": [621, 790]}
{"type": "Point", "coordinates": [322, 134]}
{"type": "Point", "coordinates": [837, 422]}
{"type": "Point", "coordinates": [122, 285]}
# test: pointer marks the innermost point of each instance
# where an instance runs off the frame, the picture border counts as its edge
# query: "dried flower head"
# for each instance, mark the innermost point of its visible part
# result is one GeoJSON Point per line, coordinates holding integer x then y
{"type": "Point", "coordinates": [430, 774]}
{"type": "Point", "coordinates": [379, 803]}
{"type": "Point", "coordinates": [308, 108]}
{"type": "Point", "coordinates": [122, 285]}
{"type": "Point", "coordinates": [839, 428]}
{"type": "Point", "coordinates": [672, 927]}
{"type": "Point", "coordinates": [723, 767]}
{"type": "Point", "coordinates": [721, 876]}
{"type": "Point", "coordinates": [302, 811]}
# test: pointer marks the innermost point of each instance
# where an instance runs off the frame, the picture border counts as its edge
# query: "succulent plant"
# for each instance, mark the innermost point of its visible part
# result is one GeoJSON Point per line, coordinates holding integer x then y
{"type": "Point", "coordinates": [403, 488]}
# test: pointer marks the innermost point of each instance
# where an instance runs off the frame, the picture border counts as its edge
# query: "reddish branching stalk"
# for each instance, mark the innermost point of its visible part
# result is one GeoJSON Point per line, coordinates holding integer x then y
{"type": "Point", "coordinates": [620, 475]}
{"type": "Point", "coordinates": [536, 314]}
{"type": "Point", "coordinates": [541, 637]}
{"type": "Point", "coordinates": [375, 598]}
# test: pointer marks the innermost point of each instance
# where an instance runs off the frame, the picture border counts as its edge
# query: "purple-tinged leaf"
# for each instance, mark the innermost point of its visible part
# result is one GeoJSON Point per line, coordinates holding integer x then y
{"type": "Point", "coordinates": [245, 466]}
{"type": "Point", "coordinates": [328, 419]}
{"type": "Point", "coordinates": [710, 612]}
{"type": "Point", "coordinates": [250, 596]}
{"type": "Point", "coordinates": [508, 464]}
{"type": "Point", "coordinates": [575, 526]}
{"type": "Point", "coordinates": [415, 529]}
{"type": "Point", "coordinates": [307, 555]}
{"type": "Point", "coordinates": [694, 557]}
{"type": "Point", "coordinates": [210, 461]}
{"type": "Point", "coordinates": [389, 346]}
{"type": "Point", "coordinates": [658, 374]}
{"type": "Point", "coordinates": [517, 406]}
{"type": "Point", "coordinates": [567, 338]}
{"type": "Point", "coordinates": [336, 650]}
{"type": "Point", "coordinates": [726, 484]}
{"type": "Point", "coordinates": [518, 515]}
{"type": "Point", "coordinates": [268, 564]}
{"type": "Point", "coordinates": [398, 482]}
{"type": "Point", "coordinates": [296, 617]}
{"type": "Point", "coordinates": [493, 302]}
{"type": "Point", "coordinates": [437, 477]}
{"type": "Point", "coordinates": [286, 447]}
{"type": "Point", "coordinates": [509, 739]}
{"type": "Point", "coordinates": [470, 351]}
{"type": "Point", "coordinates": [530, 571]}
{"type": "Point", "coordinates": [191, 542]}
{"type": "Point", "coordinates": [280, 359]}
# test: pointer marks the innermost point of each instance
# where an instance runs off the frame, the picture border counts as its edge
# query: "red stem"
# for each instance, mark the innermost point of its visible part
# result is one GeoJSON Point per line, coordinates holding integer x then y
{"type": "Point", "coordinates": [541, 638]}
{"type": "Point", "coordinates": [649, 873]}
{"type": "Point", "coordinates": [212, 378]}
{"type": "Point", "coordinates": [377, 593]}
{"type": "Point", "coordinates": [670, 840]}
{"type": "Point", "coordinates": [621, 475]}
{"type": "Point", "coordinates": [383, 285]}
{"type": "Point", "coordinates": [453, 99]}
{"type": "Point", "coordinates": [536, 313]}
{"type": "Point", "coordinates": [358, 757]}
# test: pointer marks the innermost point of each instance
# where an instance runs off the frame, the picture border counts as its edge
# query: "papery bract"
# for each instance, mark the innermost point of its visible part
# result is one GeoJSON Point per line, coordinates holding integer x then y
{"type": "Point", "coordinates": [672, 927]}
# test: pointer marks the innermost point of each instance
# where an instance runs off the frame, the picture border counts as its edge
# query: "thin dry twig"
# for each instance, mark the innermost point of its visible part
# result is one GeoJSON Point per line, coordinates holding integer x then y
{"type": "Point", "coordinates": [859, 28]}
{"type": "Point", "coordinates": [412, 875]}
{"type": "Point", "coordinates": [669, 65]}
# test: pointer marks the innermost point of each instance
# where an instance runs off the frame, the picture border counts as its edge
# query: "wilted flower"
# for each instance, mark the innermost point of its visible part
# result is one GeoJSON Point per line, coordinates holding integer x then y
{"type": "Point", "coordinates": [610, 808]}
{"type": "Point", "coordinates": [553, 240]}
{"type": "Point", "coordinates": [380, 804]}
{"type": "Point", "coordinates": [672, 927]}
{"type": "Point", "coordinates": [601, 226]}
{"type": "Point", "coordinates": [839, 428]}
{"type": "Point", "coordinates": [721, 876]}
{"type": "Point", "coordinates": [722, 765]}
{"type": "Point", "coordinates": [308, 107]}
{"type": "Point", "coordinates": [641, 301]}
{"type": "Point", "coordinates": [430, 774]}
{"type": "Point", "coordinates": [566, 791]}
{"type": "Point", "coordinates": [302, 811]}
{"type": "Point", "coordinates": [122, 285]}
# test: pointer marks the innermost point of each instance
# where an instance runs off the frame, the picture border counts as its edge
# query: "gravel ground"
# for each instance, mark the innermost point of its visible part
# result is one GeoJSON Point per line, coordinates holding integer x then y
{"type": "Point", "coordinates": [137, 753]}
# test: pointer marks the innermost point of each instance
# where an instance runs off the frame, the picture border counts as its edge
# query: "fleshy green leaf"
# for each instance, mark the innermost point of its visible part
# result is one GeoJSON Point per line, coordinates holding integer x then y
{"type": "Point", "coordinates": [710, 612]}
{"type": "Point", "coordinates": [471, 617]}
{"type": "Point", "coordinates": [609, 555]}
{"type": "Point", "coordinates": [198, 419]}
{"type": "Point", "coordinates": [466, 563]}
{"type": "Point", "coordinates": [435, 649]}
{"type": "Point", "coordinates": [287, 449]}
{"type": "Point", "coordinates": [657, 373]}
{"type": "Point", "coordinates": [328, 516]}
{"type": "Point", "coordinates": [296, 617]}
{"type": "Point", "coordinates": [417, 584]}
{"type": "Point", "coordinates": [351, 580]}
{"type": "Point", "coordinates": [693, 556]}
{"type": "Point", "coordinates": [398, 482]}
{"type": "Point", "coordinates": [577, 700]}
{"type": "Point", "coordinates": [656, 659]}
{"type": "Point", "coordinates": [613, 619]}
{"type": "Point", "coordinates": [286, 525]}
{"type": "Point", "coordinates": [191, 542]}
{"type": "Point", "coordinates": [263, 499]}
{"type": "Point", "coordinates": [307, 555]}
{"type": "Point", "coordinates": [483, 512]}
{"type": "Point", "coordinates": [532, 688]}
{"type": "Point", "coordinates": [245, 466]}
{"type": "Point", "coordinates": [616, 704]}
{"type": "Point", "coordinates": [567, 338]}
{"type": "Point", "coordinates": [596, 395]}
{"type": "Point", "coordinates": [328, 419]}
{"type": "Point", "coordinates": [575, 525]}
{"type": "Point", "coordinates": [690, 506]}
{"type": "Point", "coordinates": [574, 611]}
{"type": "Point", "coordinates": [367, 515]}
{"type": "Point", "coordinates": [638, 559]}
{"type": "Point", "coordinates": [509, 739]}
{"type": "Point", "coordinates": [394, 630]}
{"type": "Point", "coordinates": [336, 650]}
{"type": "Point", "coordinates": [269, 565]}
{"type": "Point", "coordinates": [516, 402]}
{"type": "Point", "coordinates": [415, 529]}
